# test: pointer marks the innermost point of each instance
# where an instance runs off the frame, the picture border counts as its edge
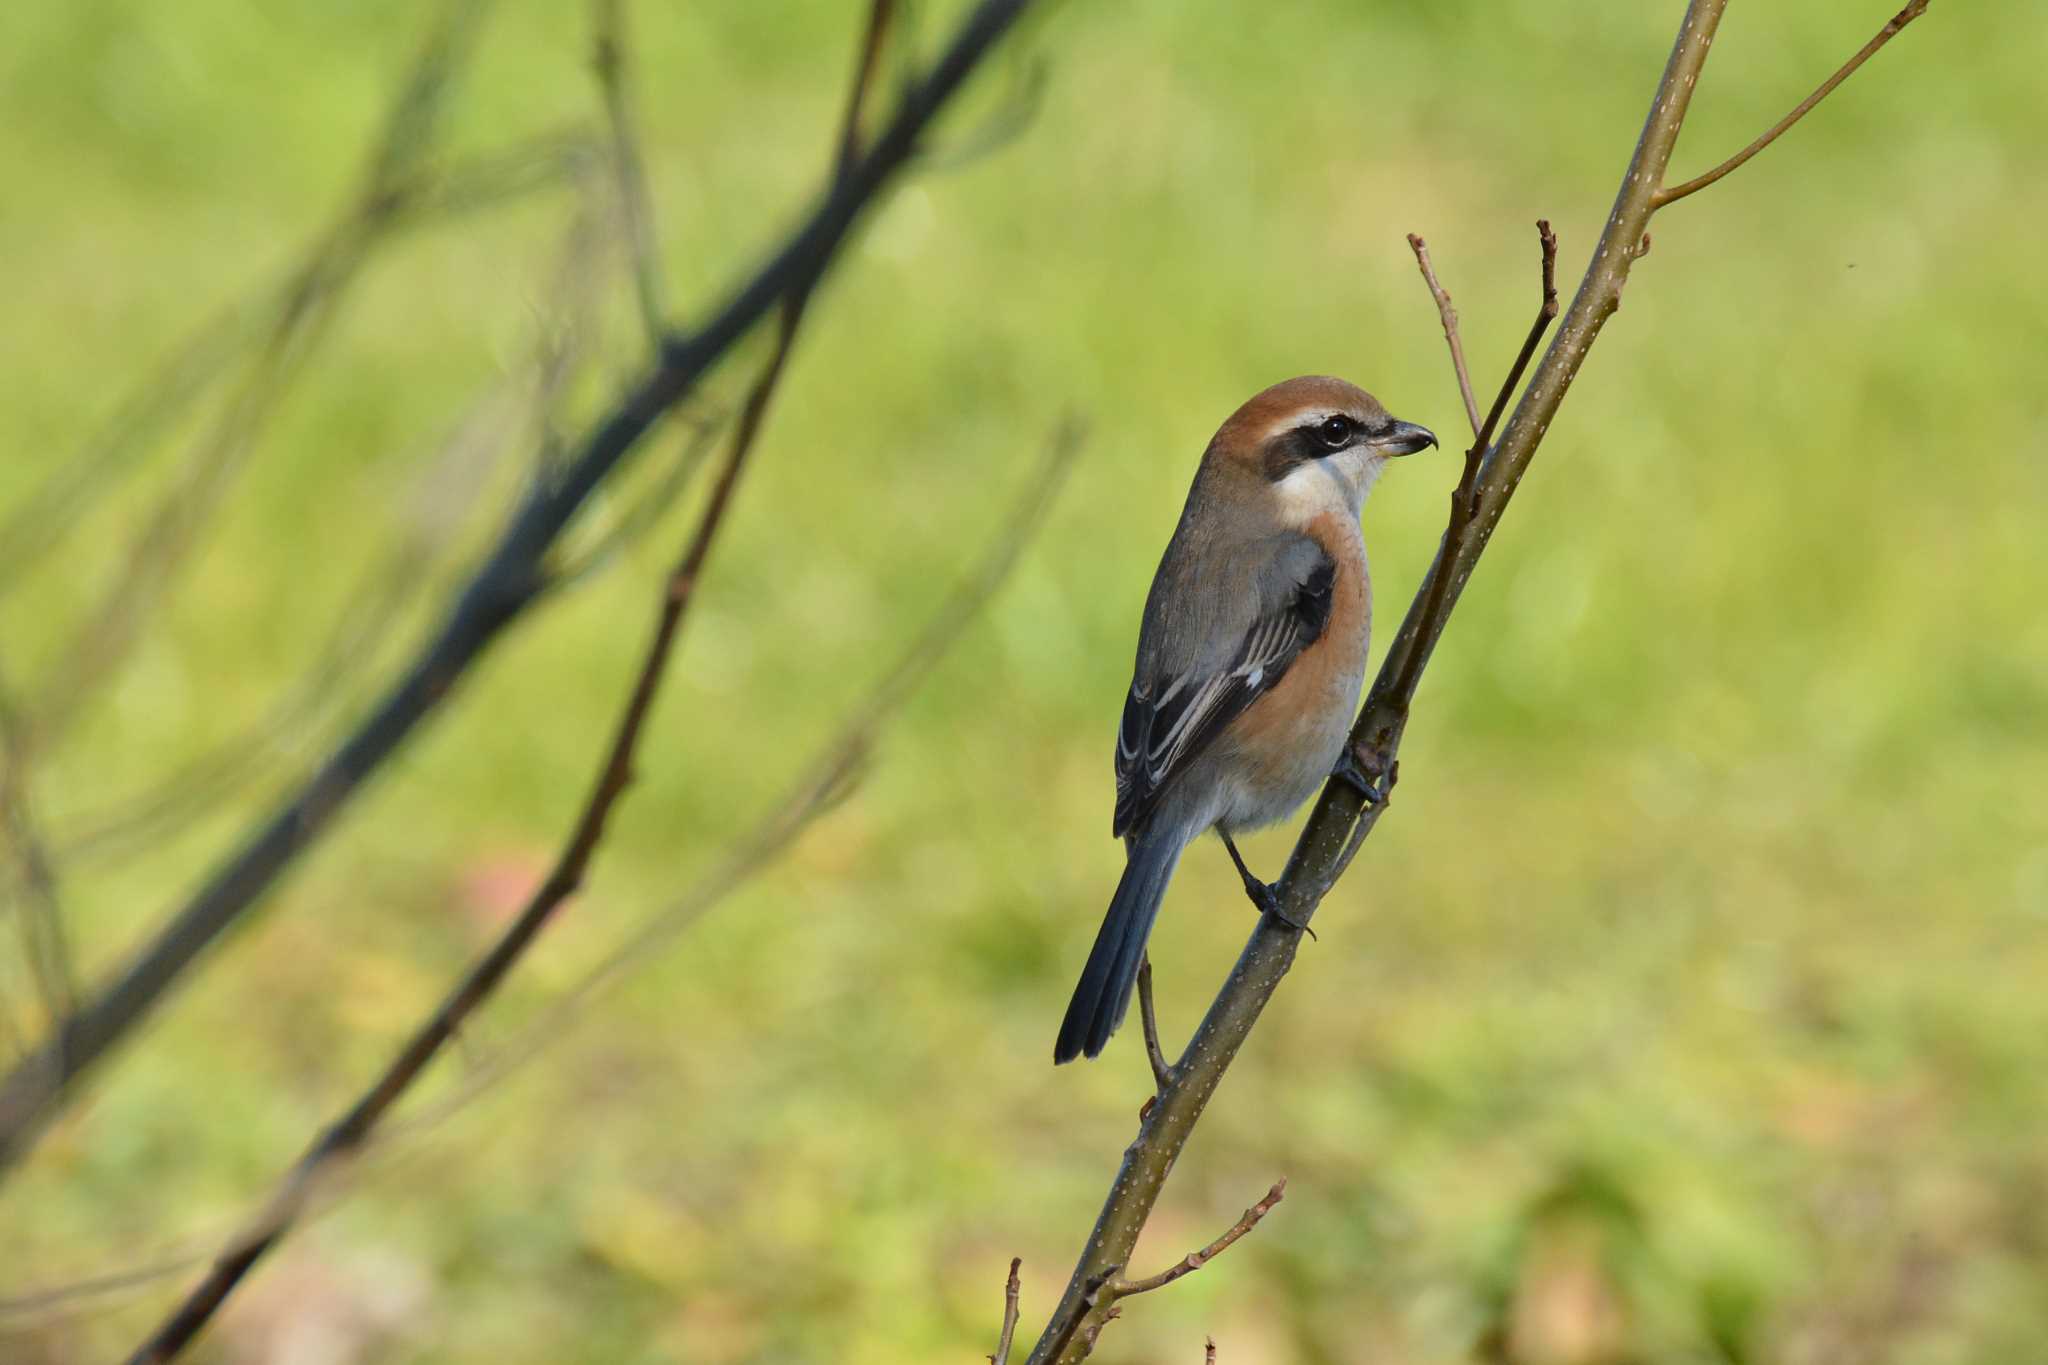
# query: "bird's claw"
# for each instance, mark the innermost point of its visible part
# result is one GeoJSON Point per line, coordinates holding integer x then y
{"type": "Point", "coordinates": [1370, 774]}
{"type": "Point", "coordinates": [1268, 902]}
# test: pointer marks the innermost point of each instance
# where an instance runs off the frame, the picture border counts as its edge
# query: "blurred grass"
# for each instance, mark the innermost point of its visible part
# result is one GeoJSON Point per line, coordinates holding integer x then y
{"type": "Point", "coordinates": [1686, 1008]}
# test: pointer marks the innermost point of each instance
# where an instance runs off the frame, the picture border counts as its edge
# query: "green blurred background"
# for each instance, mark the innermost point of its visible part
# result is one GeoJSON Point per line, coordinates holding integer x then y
{"type": "Point", "coordinates": [1689, 1004]}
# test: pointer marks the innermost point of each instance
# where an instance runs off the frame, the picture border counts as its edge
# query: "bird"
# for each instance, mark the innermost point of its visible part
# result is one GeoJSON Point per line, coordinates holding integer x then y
{"type": "Point", "coordinates": [1251, 656]}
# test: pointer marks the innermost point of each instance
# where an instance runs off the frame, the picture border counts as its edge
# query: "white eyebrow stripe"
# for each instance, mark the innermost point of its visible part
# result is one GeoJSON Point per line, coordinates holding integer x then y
{"type": "Point", "coordinates": [1300, 418]}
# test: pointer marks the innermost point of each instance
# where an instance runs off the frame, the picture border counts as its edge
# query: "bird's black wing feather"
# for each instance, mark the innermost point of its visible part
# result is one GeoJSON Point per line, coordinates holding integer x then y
{"type": "Point", "coordinates": [1169, 720]}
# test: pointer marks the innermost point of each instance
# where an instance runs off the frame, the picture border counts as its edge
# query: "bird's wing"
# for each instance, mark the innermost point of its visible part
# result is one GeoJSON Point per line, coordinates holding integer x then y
{"type": "Point", "coordinates": [1188, 687]}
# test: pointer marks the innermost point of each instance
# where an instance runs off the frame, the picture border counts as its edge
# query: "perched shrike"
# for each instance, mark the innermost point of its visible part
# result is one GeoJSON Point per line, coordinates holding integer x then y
{"type": "Point", "coordinates": [1250, 658]}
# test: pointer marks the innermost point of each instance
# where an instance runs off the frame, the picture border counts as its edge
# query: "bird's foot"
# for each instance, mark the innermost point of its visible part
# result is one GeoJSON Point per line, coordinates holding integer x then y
{"type": "Point", "coordinates": [1368, 770]}
{"type": "Point", "coordinates": [1268, 901]}
{"type": "Point", "coordinates": [1262, 895]}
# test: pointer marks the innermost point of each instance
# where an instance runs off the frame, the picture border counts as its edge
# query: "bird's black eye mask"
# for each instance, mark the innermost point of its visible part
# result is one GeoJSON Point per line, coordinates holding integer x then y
{"type": "Point", "coordinates": [1317, 440]}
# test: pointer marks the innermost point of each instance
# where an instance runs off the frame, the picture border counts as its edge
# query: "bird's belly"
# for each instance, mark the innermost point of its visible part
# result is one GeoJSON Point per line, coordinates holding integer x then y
{"type": "Point", "coordinates": [1290, 739]}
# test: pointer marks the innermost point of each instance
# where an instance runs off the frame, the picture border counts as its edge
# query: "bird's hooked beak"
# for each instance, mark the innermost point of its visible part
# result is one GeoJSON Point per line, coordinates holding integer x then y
{"type": "Point", "coordinates": [1404, 438]}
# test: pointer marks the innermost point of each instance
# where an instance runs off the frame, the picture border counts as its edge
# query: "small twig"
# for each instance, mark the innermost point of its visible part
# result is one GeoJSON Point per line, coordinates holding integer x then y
{"type": "Point", "coordinates": [1009, 1334]}
{"type": "Point", "coordinates": [1546, 312]}
{"type": "Point", "coordinates": [1208, 1351]}
{"type": "Point", "coordinates": [874, 40]}
{"type": "Point", "coordinates": [1195, 1260]}
{"type": "Point", "coordinates": [46, 944]}
{"type": "Point", "coordinates": [1162, 1073]}
{"type": "Point", "coordinates": [154, 560]}
{"type": "Point", "coordinates": [608, 60]}
{"type": "Point", "coordinates": [1449, 317]}
{"type": "Point", "coordinates": [1465, 497]}
{"type": "Point", "coordinates": [1672, 194]}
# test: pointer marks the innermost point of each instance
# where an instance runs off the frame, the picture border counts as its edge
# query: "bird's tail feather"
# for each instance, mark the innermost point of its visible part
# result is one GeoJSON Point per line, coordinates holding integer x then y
{"type": "Point", "coordinates": [1105, 991]}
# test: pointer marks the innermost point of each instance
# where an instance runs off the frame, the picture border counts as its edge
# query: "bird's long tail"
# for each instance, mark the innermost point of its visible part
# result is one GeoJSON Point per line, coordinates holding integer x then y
{"type": "Point", "coordinates": [1105, 991]}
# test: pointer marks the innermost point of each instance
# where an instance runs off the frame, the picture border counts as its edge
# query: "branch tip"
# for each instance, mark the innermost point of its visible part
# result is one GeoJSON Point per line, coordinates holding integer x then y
{"type": "Point", "coordinates": [1162, 1072]}
{"type": "Point", "coordinates": [1448, 316]}
{"type": "Point", "coordinates": [1009, 1332]}
{"type": "Point", "coordinates": [1892, 28]}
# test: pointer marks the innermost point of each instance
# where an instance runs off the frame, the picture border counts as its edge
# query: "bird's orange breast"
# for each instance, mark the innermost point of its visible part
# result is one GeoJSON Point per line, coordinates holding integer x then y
{"type": "Point", "coordinates": [1292, 735]}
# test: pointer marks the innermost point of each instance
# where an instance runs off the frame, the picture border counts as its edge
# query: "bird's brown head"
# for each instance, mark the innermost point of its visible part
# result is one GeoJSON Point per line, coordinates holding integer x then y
{"type": "Point", "coordinates": [1316, 442]}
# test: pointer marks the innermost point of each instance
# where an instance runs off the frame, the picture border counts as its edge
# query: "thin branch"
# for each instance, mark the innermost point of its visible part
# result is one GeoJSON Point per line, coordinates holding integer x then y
{"type": "Point", "coordinates": [823, 782]}
{"type": "Point", "coordinates": [154, 559]}
{"type": "Point", "coordinates": [1002, 125]}
{"type": "Point", "coordinates": [867, 64]}
{"type": "Point", "coordinates": [1009, 1332]}
{"type": "Point", "coordinates": [1378, 761]}
{"type": "Point", "coordinates": [1448, 316]}
{"type": "Point", "coordinates": [1890, 31]}
{"type": "Point", "coordinates": [41, 520]}
{"type": "Point", "coordinates": [430, 514]}
{"type": "Point", "coordinates": [1195, 1260]}
{"type": "Point", "coordinates": [1162, 1073]}
{"type": "Point", "coordinates": [1546, 313]}
{"type": "Point", "coordinates": [1328, 835]}
{"type": "Point", "coordinates": [46, 944]}
{"type": "Point", "coordinates": [506, 584]}
{"type": "Point", "coordinates": [608, 60]}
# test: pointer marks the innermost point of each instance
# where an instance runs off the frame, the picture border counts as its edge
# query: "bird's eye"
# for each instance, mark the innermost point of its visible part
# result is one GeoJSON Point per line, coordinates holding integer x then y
{"type": "Point", "coordinates": [1334, 432]}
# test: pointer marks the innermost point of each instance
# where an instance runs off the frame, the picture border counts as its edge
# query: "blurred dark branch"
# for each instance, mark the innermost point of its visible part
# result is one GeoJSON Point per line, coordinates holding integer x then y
{"type": "Point", "coordinates": [46, 944]}
{"type": "Point", "coordinates": [153, 560]}
{"type": "Point", "coordinates": [876, 35]}
{"type": "Point", "coordinates": [348, 1135]}
{"type": "Point", "coordinates": [1340, 820]}
{"type": "Point", "coordinates": [1002, 125]}
{"type": "Point", "coordinates": [755, 407]}
{"type": "Point", "coordinates": [822, 783]}
{"type": "Point", "coordinates": [138, 426]}
{"type": "Point", "coordinates": [610, 62]}
{"type": "Point", "coordinates": [509, 580]}
{"type": "Point", "coordinates": [352, 1130]}
{"type": "Point", "coordinates": [430, 516]}
{"type": "Point", "coordinates": [1674, 193]}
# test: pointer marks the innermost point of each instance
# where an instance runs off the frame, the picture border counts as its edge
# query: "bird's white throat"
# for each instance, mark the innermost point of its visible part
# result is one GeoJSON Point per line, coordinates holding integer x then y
{"type": "Point", "coordinates": [1337, 484]}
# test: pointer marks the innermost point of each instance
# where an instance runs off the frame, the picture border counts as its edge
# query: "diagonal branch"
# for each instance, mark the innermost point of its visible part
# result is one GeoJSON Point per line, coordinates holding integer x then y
{"type": "Point", "coordinates": [1674, 193]}
{"type": "Point", "coordinates": [505, 586]}
{"type": "Point", "coordinates": [1340, 820]}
